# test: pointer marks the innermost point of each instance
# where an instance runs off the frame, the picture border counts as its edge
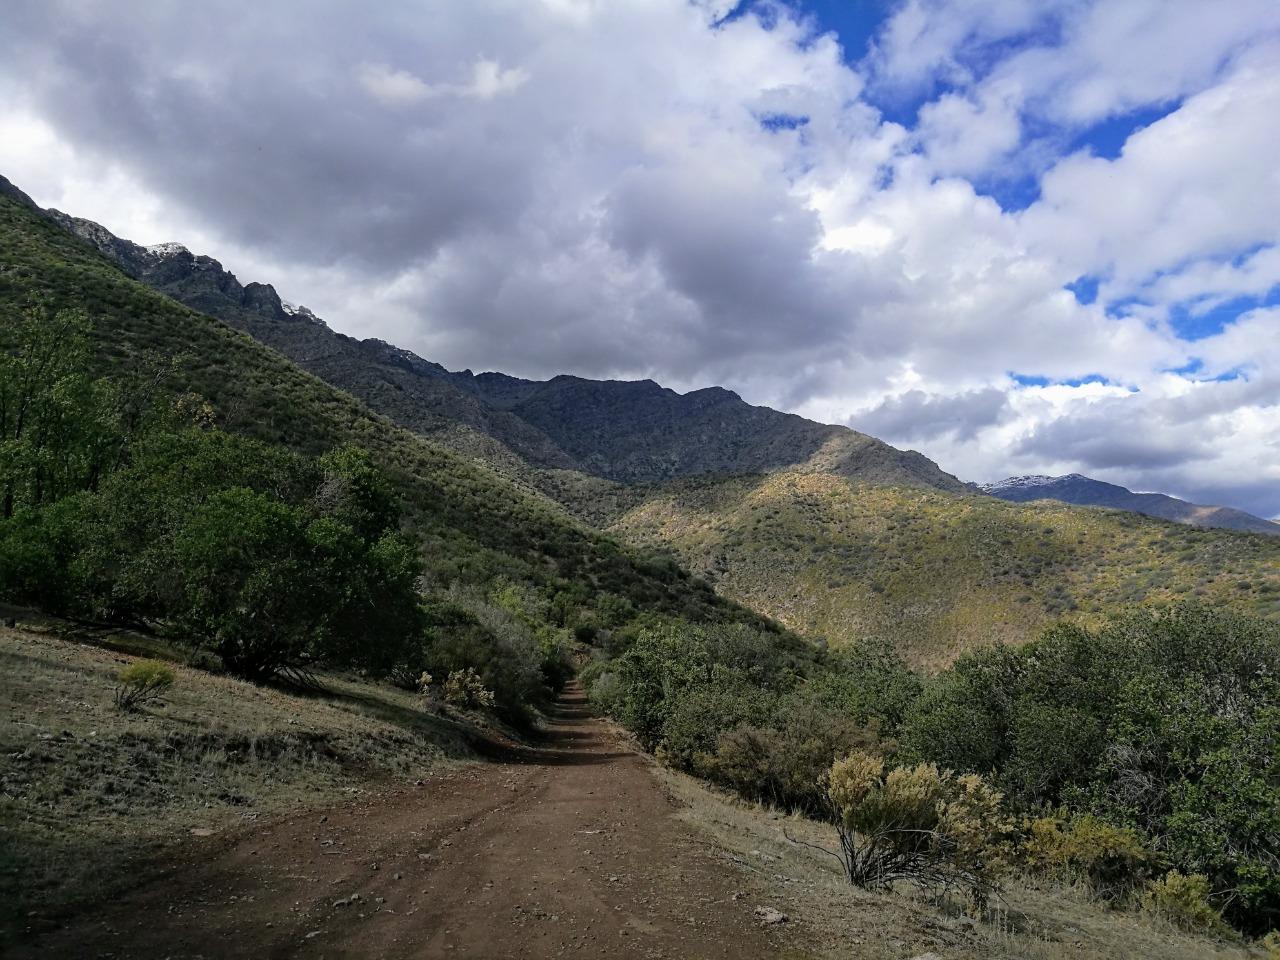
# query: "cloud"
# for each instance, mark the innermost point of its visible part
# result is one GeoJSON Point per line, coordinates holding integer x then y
{"type": "Point", "coordinates": [609, 189]}
{"type": "Point", "coordinates": [400, 87]}
{"type": "Point", "coordinates": [916, 415]}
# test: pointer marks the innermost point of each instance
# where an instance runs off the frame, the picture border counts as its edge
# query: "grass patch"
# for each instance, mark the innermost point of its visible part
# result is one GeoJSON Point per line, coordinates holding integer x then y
{"type": "Point", "coordinates": [835, 920]}
{"type": "Point", "coordinates": [89, 793]}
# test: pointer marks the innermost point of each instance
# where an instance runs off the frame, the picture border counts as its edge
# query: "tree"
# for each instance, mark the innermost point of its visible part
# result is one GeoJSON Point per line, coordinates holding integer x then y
{"type": "Point", "coordinates": [60, 429]}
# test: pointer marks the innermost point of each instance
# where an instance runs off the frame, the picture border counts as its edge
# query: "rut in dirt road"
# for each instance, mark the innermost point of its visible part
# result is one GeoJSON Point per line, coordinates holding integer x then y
{"type": "Point", "coordinates": [567, 849]}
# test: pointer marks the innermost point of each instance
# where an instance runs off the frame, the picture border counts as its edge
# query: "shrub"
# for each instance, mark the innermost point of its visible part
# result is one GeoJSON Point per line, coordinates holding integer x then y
{"type": "Point", "coordinates": [703, 710]}
{"type": "Point", "coordinates": [605, 691]}
{"type": "Point", "coordinates": [918, 825]}
{"type": "Point", "coordinates": [1164, 722]}
{"type": "Point", "coordinates": [1183, 900]}
{"type": "Point", "coordinates": [1111, 859]}
{"type": "Point", "coordinates": [465, 689]}
{"type": "Point", "coordinates": [783, 763]}
{"type": "Point", "coordinates": [143, 681]}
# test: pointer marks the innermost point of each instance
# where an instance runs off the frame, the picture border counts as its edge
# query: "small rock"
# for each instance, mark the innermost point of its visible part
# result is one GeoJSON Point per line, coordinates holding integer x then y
{"type": "Point", "coordinates": [927, 956]}
{"type": "Point", "coordinates": [770, 917]}
{"type": "Point", "coordinates": [201, 832]}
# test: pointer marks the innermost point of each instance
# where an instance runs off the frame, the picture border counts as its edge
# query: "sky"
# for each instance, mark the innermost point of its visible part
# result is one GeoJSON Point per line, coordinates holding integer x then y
{"type": "Point", "coordinates": [1020, 236]}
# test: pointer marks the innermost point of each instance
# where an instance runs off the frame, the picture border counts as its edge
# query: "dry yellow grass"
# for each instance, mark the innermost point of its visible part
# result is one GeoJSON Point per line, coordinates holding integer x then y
{"type": "Point", "coordinates": [832, 919]}
{"type": "Point", "coordinates": [89, 792]}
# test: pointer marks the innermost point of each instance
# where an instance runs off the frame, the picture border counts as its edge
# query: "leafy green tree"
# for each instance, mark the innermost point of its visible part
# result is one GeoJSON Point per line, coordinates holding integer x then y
{"type": "Point", "coordinates": [1165, 723]}
{"type": "Point", "coordinates": [60, 429]}
{"type": "Point", "coordinates": [962, 718]}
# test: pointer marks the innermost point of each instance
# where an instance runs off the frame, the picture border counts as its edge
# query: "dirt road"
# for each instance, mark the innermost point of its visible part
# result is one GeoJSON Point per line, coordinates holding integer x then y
{"type": "Point", "coordinates": [568, 850]}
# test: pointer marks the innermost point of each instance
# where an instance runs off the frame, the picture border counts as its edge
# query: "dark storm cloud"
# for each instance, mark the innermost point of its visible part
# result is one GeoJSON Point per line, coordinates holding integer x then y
{"type": "Point", "coordinates": [535, 197]}
{"type": "Point", "coordinates": [1116, 436]}
{"type": "Point", "coordinates": [262, 127]}
{"type": "Point", "coordinates": [917, 415]}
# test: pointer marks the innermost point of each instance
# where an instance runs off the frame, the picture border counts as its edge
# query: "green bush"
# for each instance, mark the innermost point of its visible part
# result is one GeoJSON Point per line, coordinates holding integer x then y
{"type": "Point", "coordinates": [1183, 900]}
{"type": "Point", "coordinates": [1163, 723]}
{"type": "Point", "coordinates": [782, 761]}
{"type": "Point", "coordinates": [143, 681]}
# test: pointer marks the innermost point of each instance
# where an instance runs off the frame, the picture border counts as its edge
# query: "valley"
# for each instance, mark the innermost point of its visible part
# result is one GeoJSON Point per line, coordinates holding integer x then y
{"type": "Point", "coordinates": [834, 534]}
{"type": "Point", "coordinates": [317, 647]}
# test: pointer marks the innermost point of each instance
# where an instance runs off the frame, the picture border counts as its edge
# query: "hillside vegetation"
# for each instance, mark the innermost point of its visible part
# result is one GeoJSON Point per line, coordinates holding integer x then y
{"type": "Point", "coordinates": [471, 524]}
{"type": "Point", "coordinates": [937, 574]}
{"type": "Point", "coordinates": [1138, 759]}
{"type": "Point", "coordinates": [849, 538]}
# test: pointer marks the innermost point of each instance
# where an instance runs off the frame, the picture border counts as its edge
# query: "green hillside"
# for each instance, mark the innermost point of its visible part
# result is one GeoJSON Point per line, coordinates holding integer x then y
{"type": "Point", "coordinates": [935, 573]}
{"type": "Point", "coordinates": [473, 525]}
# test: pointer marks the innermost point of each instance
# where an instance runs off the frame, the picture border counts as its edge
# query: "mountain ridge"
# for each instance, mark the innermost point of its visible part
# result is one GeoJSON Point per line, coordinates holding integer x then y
{"type": "Point", "coordinates": [1085, 491]}
{"type": "Point", "coordinates": [934, 572]}
{"type": "Point", "coordinates": [635, 432]}
{"type": "Point", "coordinates": [632, 432]}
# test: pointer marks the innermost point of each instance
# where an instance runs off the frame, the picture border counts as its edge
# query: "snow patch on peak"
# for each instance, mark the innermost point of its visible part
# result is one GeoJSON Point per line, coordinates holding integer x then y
{"type": "Point", "coordinates": [288, 307]}
{"type": "Point", "coordinates": [166, 249]}
{"type": "Point", "coordinates": [1021, 483]}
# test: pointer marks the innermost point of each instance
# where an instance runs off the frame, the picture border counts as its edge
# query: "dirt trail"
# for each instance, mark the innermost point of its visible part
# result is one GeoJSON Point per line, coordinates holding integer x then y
{"type": "Point", "coordinates": [566, 850]}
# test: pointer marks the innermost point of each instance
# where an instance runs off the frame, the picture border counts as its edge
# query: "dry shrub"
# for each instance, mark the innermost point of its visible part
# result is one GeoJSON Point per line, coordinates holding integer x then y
{"type": "Point", "coordinates": [143, 681]}
{"type": "Point", "coordinates": [465, 689]}
{"type": "Point", "coordinates": [1111, 859]}
{"type": "Point", "coordinates": [919, 825]}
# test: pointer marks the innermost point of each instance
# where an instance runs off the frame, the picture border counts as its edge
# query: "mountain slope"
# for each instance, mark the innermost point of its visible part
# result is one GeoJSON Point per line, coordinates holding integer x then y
{"type": "Point", "coordinates": [473, 524]}
{"type": "Point", "coordinates": [933, 573]}
{"type": "Point", "coordinates": [1085, 491]}
{"type": "Point", "coordinates": [640, 432]}
{"type": "Point", "coordinates": [411, 391]}
{"type": "Point", "coordinates": [629, 432]}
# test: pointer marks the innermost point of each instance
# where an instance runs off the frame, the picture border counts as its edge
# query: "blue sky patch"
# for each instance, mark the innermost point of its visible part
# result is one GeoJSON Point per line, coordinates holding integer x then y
{"type": "Point", "coordinates": [781, 121]}
{"type": "Point", "coordinates": [1191, 324]}
{"type": "Point", "coordinates": [1107, 138]}
{"type": "Point", "coordinates": [1028, 380]}
{"type": "Point", "coordinates": [1085, 289]}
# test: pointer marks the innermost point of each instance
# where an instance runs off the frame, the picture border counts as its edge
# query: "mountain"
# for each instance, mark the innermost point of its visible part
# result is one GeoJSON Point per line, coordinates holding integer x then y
{"type": "Point", "coordinates": [829, 532]}
{"type": "Point", "coordinates": [932, 573]}
{"type": "Point", "coordinates": [474, 525]}
{"type": "Point", "coordinates": [640, 432]}
{"type": "Point", "coordinates": [1087, 492]}
{"type": "Point", "coordinates": [624, 431]}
